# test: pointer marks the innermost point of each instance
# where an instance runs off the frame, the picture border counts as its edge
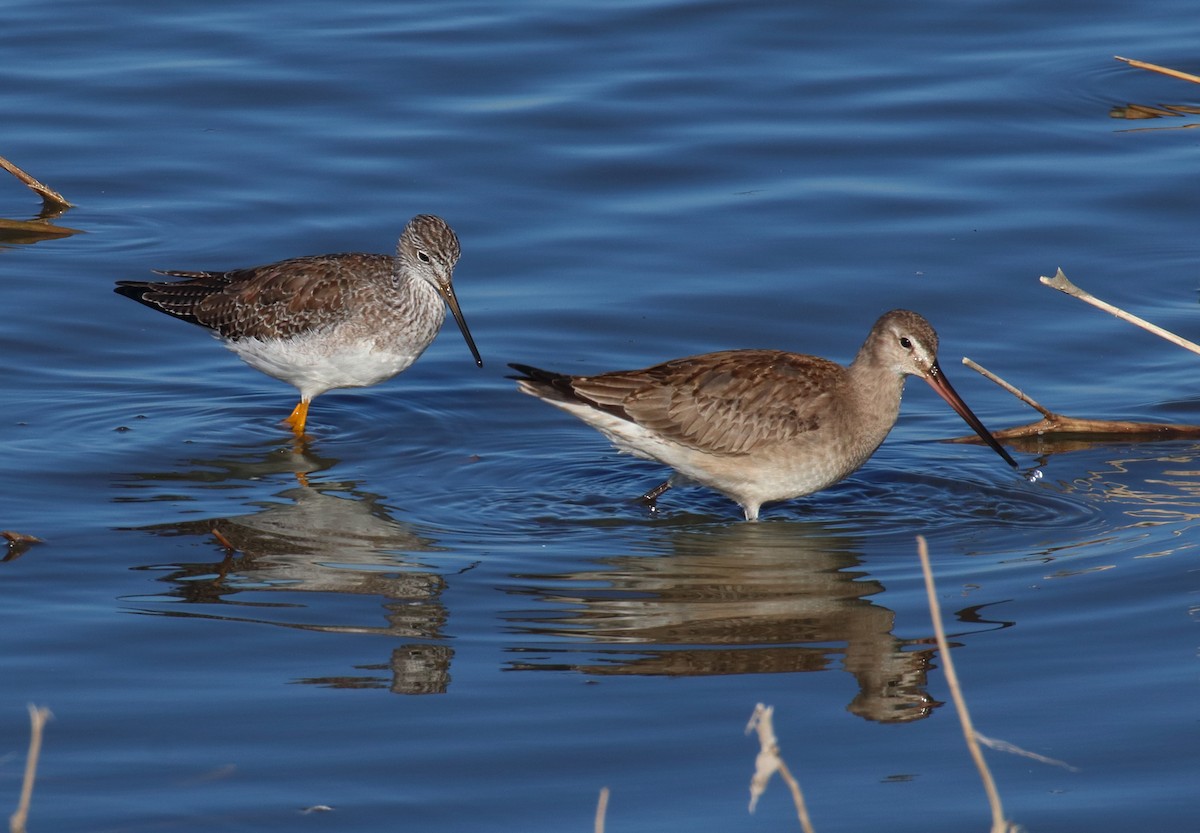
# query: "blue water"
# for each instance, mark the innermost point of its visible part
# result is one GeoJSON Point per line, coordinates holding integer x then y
{"type": "Point", "coordinates": [446, 612]}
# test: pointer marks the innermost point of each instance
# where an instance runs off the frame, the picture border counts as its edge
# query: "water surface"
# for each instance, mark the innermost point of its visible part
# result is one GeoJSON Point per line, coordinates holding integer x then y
{"type": "Point", "coordinates": [446, 611]}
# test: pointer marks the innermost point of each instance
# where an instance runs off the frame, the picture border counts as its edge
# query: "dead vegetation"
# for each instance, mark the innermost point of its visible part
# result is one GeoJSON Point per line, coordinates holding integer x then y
{"type": "Point", "coordinates": [1136, 112]}
{"type": "Point", "coordinates": [1066, 432]}
{"type": "Point", "coordinates": [41, 227]}
{"type": "Point", "coordinates": [37, 719]}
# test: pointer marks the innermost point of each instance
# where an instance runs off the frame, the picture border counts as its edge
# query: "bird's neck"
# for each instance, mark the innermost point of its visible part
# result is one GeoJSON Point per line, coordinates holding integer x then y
{"type": "Point", "coordinates": [418, 301]}
{"type": "Point", "coordinates": [876, 390]}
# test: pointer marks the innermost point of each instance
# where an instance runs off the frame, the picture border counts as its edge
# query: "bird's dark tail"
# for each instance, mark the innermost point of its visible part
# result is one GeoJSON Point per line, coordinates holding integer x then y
{"type": "Point", "coordinates": [544, 379]}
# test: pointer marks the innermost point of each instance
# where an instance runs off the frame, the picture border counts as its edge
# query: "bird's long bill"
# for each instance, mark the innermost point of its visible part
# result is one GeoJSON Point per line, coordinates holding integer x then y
{"type": "Point", "coordinates": [938, 381]}
{"type": "Point", "coordinates": [452, 302]}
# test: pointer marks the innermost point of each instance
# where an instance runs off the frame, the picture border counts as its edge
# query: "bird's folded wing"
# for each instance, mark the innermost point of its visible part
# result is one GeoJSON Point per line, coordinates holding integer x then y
{"type": "Point", "coordinates": [734, 402]}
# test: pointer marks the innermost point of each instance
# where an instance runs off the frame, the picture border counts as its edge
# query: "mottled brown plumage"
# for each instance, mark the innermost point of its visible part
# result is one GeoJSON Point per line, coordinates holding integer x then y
{"type": "Point", "coordinates": [758, 425]}
{"type": "Point", "coordinates": [324, 321]}
{"type": "Point", "coordinates": [278, 300]}
{"type": "Point", "coordinates": [719, 404]}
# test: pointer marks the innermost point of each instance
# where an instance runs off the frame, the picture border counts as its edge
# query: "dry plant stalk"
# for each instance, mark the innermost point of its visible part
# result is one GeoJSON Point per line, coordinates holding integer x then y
{"type": "Point", "coordinates": [1057, 425]}
{"type": "Point", "coordinates": [1060, 282]}
{"type": "Point", "coordinates": [47, 193]}
{"type": "Point", "coordinates": [37, 719]}
{"type": "Point", "coordinates": [769, 762]}
{"type": "Point", "coordinates": [1174, 73]}
{"type": "Point", "coordinates": [601, 810]}
{"type": "Point", "coordinates": [1020, 394]}
{"type": "Point", "coordinates": [999, 823]}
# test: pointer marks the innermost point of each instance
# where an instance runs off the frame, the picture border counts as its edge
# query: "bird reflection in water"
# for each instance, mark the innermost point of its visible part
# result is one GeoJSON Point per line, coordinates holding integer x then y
{"type": "Point", "coordinates": [736, 599]}
{"type": "Point", "coordinates": [323, 538]}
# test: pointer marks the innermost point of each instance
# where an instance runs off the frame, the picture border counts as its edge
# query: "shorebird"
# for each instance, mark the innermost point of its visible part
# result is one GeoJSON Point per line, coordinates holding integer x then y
{"type": "Point", "coordinates": [324, 321]}
{"type": "Point", "coordinates": [758, 425]}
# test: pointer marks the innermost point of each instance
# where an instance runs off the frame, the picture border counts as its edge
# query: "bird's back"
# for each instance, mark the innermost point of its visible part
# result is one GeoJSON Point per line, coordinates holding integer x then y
{"type": "Point", "coordinates": [275, 301]}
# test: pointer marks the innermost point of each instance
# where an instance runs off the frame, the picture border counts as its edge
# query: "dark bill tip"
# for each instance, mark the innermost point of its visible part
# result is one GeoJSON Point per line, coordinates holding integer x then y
{"type": "Point", "coordinates": [452, 302]}
{"type": "Point", "coordinates": [938, 381]}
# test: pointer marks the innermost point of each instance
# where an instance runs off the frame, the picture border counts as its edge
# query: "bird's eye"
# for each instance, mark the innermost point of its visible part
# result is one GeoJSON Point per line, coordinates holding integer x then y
{"type": "Point", "coordinates": [905, 343]}
{"type": "Point", "coordinates": [421, 256]}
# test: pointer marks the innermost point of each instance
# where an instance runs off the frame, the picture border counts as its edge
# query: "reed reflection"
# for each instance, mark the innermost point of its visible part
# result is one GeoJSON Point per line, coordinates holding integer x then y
{"type": "Point", "coordinates": [41, 227]}
{"type": "Point", "coordinates": [737, 599]}
{"type": "Point", "coordinates": [33, 230]}
{"type": "Point", "coordinates": [325, 538]}
{"type": "Point", "coordinates": [1143, 112]}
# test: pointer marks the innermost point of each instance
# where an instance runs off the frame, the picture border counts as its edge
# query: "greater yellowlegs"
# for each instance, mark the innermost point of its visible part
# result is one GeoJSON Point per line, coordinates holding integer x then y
{"type": "Point", "coordinates": [324, 321]}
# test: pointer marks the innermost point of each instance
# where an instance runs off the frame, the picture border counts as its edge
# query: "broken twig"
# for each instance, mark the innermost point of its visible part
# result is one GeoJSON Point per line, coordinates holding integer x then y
{"type": "Point", "coordinates": [47, 193]}
{"type": "Point", "coordinates": [1020, 394]}
{"type": "Point", "coordinates": [1174, 73]}
{"type": "Point", "coordinates": [1060, 282]}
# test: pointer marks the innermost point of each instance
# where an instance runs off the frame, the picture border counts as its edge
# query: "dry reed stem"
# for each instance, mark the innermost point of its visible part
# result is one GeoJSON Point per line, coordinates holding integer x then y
{"type": "Point", "coordinates": [1060, 282]}
{"type": "Point", "coordinates": [47, 193]}
{"type": "Point", "coordinates": [769, 761]}
{"type": "Point", "coordinates": [999, 823]}
{"type": "Point", "coordinates": [1174, 73]}
{"type": "Point", "coordinates": [1054, 425]}
{"type": "Point", "coordinates": [601, 810]}
{"type": "Point", "coordinates": [1020, 394]}
{"type": "Point", "coordinates": [37, 719]}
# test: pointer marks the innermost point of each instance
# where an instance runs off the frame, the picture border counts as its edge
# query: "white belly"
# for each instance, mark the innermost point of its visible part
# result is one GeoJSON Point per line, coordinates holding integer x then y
{"type": "Point", "coordinates": [317, 363]}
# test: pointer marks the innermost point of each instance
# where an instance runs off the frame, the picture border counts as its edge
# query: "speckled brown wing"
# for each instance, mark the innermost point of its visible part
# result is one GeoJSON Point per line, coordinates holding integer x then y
{"type": "Point", "coordinates": [278, 300]}
{"type": "Point", "coordinates": [730, 402]}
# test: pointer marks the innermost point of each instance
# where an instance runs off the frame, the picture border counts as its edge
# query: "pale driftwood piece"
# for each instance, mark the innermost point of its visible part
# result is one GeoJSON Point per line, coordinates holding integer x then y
{"type": "Point", "coordinates": [1060, 282]}
{"type": "Point", "coordinates": [999, 823]}
{"type": "Point", "coordinates": [1174, 73]}
{"type": "Point", "coordinates": [1054, 425]}
{"type": "Point", "coordinates": [47, 193]}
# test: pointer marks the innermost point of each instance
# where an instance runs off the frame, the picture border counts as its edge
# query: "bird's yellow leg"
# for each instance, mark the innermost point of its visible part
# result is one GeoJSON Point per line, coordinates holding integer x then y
{"type": "Point", "coordinates": [298, 417]}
